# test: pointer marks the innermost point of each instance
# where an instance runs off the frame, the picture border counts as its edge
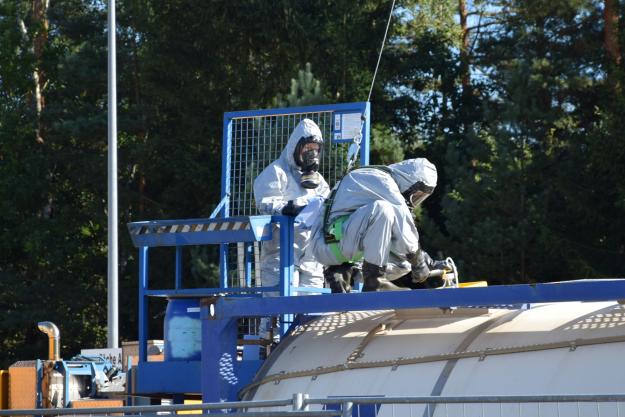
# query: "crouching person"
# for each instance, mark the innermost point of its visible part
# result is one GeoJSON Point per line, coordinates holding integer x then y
{"type": "Point", "coordinates": [368, 217]}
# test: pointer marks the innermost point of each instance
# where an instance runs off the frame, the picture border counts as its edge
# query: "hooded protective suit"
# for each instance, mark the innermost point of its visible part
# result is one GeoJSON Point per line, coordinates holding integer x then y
{"type": "Point", "coordinates": [273, 188]}
{"type": "Point", "coordinates": [380, 226]}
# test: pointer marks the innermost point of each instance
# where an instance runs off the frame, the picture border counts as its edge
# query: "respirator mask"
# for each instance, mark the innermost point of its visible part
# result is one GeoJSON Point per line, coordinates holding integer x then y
{"type": "Point", "coordinates": [416, 194]}
{"type": "Point", "coordinates": [307, 156]}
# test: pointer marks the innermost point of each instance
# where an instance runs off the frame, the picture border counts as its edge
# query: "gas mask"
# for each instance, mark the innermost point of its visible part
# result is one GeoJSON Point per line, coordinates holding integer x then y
{"type": "Point", "coordinates": [307, 156]}
{"type": "Point", "coordinates": [416, 194]}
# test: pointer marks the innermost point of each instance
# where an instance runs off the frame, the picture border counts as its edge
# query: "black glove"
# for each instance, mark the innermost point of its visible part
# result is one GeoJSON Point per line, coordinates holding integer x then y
{"type": "Point", "coordinates": [442, 265]}
{"type": "Point", "coordinates": [292, 209]}
{"type": "Point", "coordinates": [419, 261]}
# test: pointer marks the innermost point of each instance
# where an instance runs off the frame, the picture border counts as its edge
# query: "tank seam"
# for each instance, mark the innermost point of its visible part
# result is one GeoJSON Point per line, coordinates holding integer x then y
{"type": "Point", "coordinates": [481, 354]}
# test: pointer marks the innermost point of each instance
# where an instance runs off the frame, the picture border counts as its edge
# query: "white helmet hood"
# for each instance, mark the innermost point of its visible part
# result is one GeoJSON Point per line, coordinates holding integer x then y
{"type": "Point", "coordinates": [411, 171]}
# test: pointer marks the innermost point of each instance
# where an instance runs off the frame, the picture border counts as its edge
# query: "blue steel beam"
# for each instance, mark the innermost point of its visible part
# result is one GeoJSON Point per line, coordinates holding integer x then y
{"type": "Point", "coordinates": [341, 107]}
{"type": "Point", "coordinates": [200, 231]}
{"type": "Point", "coordinates": [209, 292]}
{"type": "Point", "coordinates": [590, 290]}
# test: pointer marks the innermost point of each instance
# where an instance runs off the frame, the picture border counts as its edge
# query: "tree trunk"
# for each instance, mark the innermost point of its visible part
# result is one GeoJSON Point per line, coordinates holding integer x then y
{"type": "Point", "coordinates": [611, 43]}
{"type": "Point", "coordinates": [464, 59]}
{"type": "Point", "coordinates": [39, 40]}
{"type": "Point", "coordinates": [610, 33]}
{"type": "Point", "coordinates": [143, 134]}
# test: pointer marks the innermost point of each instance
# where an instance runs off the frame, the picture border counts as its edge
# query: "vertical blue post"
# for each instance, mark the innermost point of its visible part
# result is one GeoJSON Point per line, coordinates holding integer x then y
{"type": "Point", "coordinates": [249, 254]}
{"type": "Point", "coordinates": [286, 264]}
{"type": "Point", "coordinates": [220, 379]}
{"type": "Point", "coordinates": [178, 283]}
{"type": "Point", "coordinates": [226, 144]}
{"type": "Point", "coordinates": [223, 265]}
{"type": "Point", "coordinates": [143, 303]}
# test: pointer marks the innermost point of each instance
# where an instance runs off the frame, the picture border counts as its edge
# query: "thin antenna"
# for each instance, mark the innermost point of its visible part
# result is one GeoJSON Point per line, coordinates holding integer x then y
{"type": "Point", "coordinates": [375, 73]}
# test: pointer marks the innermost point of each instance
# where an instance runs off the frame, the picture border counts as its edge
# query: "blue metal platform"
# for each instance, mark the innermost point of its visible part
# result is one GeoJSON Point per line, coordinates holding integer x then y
{"type": "Point", "coordinates": [219, 375]}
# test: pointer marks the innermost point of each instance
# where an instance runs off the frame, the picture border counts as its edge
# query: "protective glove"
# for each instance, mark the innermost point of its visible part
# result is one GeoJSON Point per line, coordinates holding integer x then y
{"type": "Point", "coordinates": [442, 265]}
{"type": "Point", "coordinates": [292, 208]}
{"type": "Point", "coordinates": [419, 263]}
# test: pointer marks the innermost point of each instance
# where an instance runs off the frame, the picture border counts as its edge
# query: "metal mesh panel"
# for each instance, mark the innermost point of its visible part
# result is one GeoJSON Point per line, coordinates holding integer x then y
{"type": "Point", "coordinates": [258, 141]}
{"type": "Point", "coordinates": [255, 142]}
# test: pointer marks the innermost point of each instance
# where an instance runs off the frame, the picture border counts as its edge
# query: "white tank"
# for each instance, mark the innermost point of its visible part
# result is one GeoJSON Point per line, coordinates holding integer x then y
{"type": "Point", "coordinates": [560, 348]}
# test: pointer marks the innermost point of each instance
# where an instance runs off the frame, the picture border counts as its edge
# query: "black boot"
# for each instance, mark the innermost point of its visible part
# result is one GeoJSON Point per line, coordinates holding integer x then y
{"type": "Point", "coordinates": [340, 277]}
{"type": "Point", "coordinates": [374, 280]}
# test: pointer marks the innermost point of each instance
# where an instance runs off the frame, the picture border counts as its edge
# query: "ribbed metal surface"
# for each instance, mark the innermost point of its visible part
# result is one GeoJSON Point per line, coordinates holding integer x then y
{"type": "Point", "coordinates": [560, 348]}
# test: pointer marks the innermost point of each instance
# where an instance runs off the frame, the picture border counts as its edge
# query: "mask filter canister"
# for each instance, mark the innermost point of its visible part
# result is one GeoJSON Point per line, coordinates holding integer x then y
{"type": "Point", "coordinates": [310, 180]}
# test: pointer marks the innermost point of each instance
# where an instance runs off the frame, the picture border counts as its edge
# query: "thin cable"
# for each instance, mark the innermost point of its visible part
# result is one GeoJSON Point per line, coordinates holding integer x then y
{"type": "Point", "coordinates": [375, 73]}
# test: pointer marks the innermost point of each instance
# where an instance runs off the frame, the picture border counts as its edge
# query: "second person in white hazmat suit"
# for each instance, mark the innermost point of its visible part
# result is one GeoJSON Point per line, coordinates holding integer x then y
{"type": "Point", "coordinates": [368, 216]}
{"type": "Point", "coordinates": [285, 187]}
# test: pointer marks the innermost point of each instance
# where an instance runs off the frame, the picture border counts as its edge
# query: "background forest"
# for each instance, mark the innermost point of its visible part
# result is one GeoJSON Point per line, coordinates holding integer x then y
{"type": "Point", "coordinates": [518, 102]}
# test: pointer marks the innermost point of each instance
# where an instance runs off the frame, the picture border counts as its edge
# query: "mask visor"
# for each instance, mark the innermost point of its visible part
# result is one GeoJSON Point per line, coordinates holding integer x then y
{"type": "Point", "coordinates": [418, 197]}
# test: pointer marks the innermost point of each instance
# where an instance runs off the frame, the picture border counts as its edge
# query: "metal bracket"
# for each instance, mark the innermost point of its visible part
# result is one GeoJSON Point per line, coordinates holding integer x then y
{"type": "Point", "coordinates": [483, 354]}
{"type": "Point", "coordinates": [314, 377]}
{"type": "Point", "coordinates": [277, 381]}
{"type": "Point", "coordinates": [397, 363]}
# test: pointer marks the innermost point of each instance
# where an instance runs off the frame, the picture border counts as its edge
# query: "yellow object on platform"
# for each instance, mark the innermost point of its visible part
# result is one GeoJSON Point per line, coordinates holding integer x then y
{"type": "Point", "coordinates": [473, 284]}
{"type": "Point", "coordinates": [191, 411]}
{"type": "Point", "coordinates": [4, 390]}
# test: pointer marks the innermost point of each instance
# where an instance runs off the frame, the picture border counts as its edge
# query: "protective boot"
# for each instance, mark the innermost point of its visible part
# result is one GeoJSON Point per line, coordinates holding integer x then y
{"type": "Point", "coordinates": [374, 280]}
{"type": "Point", "coordinates": [339, 277]}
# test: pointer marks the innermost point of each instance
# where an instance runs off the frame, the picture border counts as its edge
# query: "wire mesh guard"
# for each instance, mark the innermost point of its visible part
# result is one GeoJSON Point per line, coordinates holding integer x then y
{"type": "Point", "coordinates": [255, 142]}
{"type": "Point", "coordinates": [258, 141]}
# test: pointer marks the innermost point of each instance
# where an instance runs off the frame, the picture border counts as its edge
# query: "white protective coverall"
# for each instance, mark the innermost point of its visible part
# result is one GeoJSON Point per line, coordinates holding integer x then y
{"type": "Point", "coordinates": [380, 223]}
{"type": "Point", "coordinates": [273, 188]}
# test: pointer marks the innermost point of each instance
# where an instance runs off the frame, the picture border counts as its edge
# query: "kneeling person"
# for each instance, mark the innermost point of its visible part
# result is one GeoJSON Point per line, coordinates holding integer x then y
{"type": "Point", "coordinates": [368, 216]}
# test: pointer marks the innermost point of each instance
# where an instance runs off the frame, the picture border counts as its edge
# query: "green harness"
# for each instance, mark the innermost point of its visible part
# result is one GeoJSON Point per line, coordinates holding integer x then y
{"type": "Point", "coordinates": [336, 231]}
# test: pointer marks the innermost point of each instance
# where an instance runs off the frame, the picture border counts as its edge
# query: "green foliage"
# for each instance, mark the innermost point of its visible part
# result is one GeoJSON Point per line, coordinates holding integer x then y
{"type": "Point", "coordinates": [385, 146]}
{"type": "Point", "coordinates": [305, 91]}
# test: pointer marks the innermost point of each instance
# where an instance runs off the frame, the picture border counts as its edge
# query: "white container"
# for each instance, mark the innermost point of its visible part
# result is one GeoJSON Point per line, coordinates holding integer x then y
{"type": "Point", "coordinates": [559, 348]}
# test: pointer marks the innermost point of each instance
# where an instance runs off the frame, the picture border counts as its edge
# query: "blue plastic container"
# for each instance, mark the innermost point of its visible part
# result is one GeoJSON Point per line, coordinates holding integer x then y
{"type": "Point", "coordinates": [183, 330]}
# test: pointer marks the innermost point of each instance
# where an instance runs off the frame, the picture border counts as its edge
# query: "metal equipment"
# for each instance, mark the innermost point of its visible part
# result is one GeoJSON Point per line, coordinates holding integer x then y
{"type": "Point", "coordinates": [58, 383]}
{"type": "Point", "coordinates": [550, 349]}
{"type": "Point", "coordinates": [252, 140]}
{"type": "Point", "coordinates": [448, 274]}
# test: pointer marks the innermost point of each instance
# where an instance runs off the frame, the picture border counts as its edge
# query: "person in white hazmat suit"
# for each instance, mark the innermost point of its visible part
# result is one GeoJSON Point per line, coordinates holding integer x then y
{"type": "Point", "coordinates": [368, 216]}
{"type": "Point", "coordinates": [285, 187]}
